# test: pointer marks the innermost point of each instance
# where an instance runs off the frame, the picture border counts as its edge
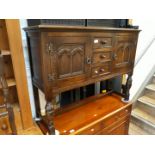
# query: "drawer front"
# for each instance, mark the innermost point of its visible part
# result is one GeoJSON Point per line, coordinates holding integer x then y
{"type": "Point", "coordinates": [116, 117]}
{"type": "Point", "coordinates": [4, 126]}
{"type": "Point", "coordinates": [92, 130]}
{"type": "Point", "coordinates": [105, 42]}
{"type": "Point", "coordinates": [68, 59]}
{"type": "Point", "coordinates": [124, 53]}
{"type": "Point", "coordinates": [101, 70]}
{"type": "Point", "coordinates": [121, 129]}
{"type": "Point", "coordinates": [105, 126]}
{"type": "Point", "coordinates": [118, 128]}
{"type": "Point", "coordinates": [100, 57]}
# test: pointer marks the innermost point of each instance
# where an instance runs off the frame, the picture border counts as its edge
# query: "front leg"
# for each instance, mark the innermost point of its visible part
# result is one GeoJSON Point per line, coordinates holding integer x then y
{"type": "Point", "coordinates": [50, 115]}
{"type": "Point", "coordinates": [127, 87]}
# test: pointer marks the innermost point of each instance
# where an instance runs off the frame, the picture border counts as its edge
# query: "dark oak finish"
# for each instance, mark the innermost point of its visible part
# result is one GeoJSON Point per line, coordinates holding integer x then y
{"type": "Point", "coordinates": [68, 57]}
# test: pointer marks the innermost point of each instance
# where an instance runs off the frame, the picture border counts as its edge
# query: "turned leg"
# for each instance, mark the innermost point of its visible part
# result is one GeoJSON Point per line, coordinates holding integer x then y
{"type": "Point", "coordinates": [127, 87]}
{"type": "Point", "coordinates": [50, 107]}
{"type": "Point", "coordinates": [11, 119]}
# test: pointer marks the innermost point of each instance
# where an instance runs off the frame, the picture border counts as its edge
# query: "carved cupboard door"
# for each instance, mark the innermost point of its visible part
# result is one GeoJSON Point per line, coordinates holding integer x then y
{"type": "Point", "coordinates": [71, 57]}
{"type": "Point", "coordinates": [124, 53]}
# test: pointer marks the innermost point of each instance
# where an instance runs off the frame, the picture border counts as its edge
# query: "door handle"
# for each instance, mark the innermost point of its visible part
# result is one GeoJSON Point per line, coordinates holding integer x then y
{"type": "Point", "coordinates": [88, 60]}
{"type": "Point", "coordinates": [114, 56]}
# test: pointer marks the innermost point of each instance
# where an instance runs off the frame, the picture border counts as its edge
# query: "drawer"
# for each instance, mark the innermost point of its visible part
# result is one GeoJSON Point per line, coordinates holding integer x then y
{"type": "Point", "coordinates": [105, 42]}
{"type": "Point", "coordinates": [108, 124]}
{"type": "Point", "coordinates": [92, 130]}
{"type": "Point", "coordinates": [118, 128]}
{"type": "Point", "coordinates": [100, 57]}
{"type": "Point", "coordinates": [101, 70]}
{"type": "Point", "coordinates": [116, 117]}
{"type": "Point", "coordinates": [4, 126]}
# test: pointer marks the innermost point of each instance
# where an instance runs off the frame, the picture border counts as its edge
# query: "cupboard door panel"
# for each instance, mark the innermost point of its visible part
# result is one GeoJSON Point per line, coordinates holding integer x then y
{"type": "Point", "coordinates": [64, 68]}
{"type": "Point", "coordinates": [124, 52]}
{"type": "Point", "coordinates": [71, 57]}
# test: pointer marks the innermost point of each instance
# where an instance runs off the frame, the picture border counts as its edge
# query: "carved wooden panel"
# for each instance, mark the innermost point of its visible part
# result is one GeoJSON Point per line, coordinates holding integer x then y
{"type": "Point", "coordinates": [70, 60]}
{"type": "Point", "coordinates": [124, 53]}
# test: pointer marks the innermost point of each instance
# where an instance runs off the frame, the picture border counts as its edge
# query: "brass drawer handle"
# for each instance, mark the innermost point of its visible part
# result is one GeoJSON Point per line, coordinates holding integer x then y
{"type": "Point", "coordinates": [103, 42]}
{"type": "Point", "coordinates": [92, 130]}
{"type": "Point", "coordinates": [126, 110]}
{"type": "Point", "coordinates": [96, 71]}
{"type": "Point", "coordinates": [102, 70]}
{"type": "Point", "coordinates": [102, 56]}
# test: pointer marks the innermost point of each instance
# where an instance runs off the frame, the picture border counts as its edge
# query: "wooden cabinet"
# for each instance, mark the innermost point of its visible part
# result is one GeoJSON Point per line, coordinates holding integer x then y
{"type": "Point", "coordinates": [69, 57]}
{"type": "Point", "coordinates": [64, 58]}
{"type": "Point", "coordinates": [99, 115]}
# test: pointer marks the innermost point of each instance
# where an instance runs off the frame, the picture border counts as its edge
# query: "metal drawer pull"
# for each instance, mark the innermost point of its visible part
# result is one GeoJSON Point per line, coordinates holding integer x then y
{"type": "Point", "coordinates": [72, 130]}
{"type": "Point", "coordinates": [102, 56]}
{"type": "Point", "coordinates": [126, 110]}
{"type": "Point", "coordinates": [103, 42]}
{"type": "Point", "coordinates": [95, 41]}
{"type": "Point", "coordinates": [96, 71]}
{"type": "Point", "coordinates": [92, 130]}
{"type": "Point", "coordinates": [102, 70]}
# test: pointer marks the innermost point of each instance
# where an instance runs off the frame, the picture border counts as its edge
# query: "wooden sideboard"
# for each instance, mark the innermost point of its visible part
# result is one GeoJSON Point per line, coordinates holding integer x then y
{"type": "Point", "coordinates": [66, 57]}
{"type": "Point", "coordinates": [96, 115]}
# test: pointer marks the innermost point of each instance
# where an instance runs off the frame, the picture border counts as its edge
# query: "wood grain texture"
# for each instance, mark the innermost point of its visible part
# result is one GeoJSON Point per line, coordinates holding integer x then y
{"type": "Point", "coordinates": [95, 115]}
{"type": "Point", "coordinates": [93, 28]}
{"type": "Point", "coordinates": [3, 36]}
{"type": "Point", "coordinates": [15, 43]}
{"type": "Point", "coordinates": [34, 130]}
{"type": "Point", "coordinates": [72, 57]}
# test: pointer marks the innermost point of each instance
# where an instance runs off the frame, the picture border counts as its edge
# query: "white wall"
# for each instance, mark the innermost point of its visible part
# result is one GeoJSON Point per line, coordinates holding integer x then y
{"type": "Point", "coordinates": [23, 23]}
{"type": "Point", "coordinates": [147, 62]}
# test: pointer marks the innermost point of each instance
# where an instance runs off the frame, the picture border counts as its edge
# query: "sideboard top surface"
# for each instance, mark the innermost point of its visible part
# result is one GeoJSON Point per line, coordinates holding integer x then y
{"type": "Point", "coordinates": [78, 28]}
{"type": "Point", "coordinates": [87, 113]}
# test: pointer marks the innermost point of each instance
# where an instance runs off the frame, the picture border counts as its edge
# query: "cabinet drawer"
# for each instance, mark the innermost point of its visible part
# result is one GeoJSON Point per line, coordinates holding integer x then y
{"type": "Point", "coordinates": [108, 124]}
{"type": "Point", "coordinates": [100, 57]}
{"type": "Point", "coordinates": [92, 130]}
{"type": "Point", "coordinates": [4, 126]}
{"type": "Point", "coordinates": [102, 42]}
{"type": "Point", "coordinates": [118, 128]}
{"type": "Point", "coordinates": [101, 70]}
{"type": "Point", "coordinates": [116, 117]}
